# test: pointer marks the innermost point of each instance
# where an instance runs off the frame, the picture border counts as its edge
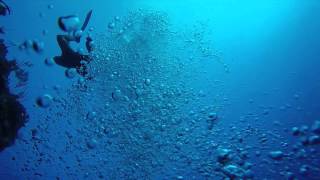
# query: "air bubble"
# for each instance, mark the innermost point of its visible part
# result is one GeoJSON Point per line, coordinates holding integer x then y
{"type": "Point", "coordinates": [44, 101]}
{"type": "Point", "coordinates": [49, 61]}
{"type": "Point", "coordinates": [71, 73]}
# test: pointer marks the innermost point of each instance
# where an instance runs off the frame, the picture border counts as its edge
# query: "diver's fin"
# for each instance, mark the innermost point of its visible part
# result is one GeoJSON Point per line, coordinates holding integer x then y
{"type": "Point", "coordinates": [86, 22]}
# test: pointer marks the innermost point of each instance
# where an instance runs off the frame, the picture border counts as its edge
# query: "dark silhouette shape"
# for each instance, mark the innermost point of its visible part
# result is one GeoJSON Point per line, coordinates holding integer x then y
{"type": "Point", "coordinates": [86, 21]}
{"type": "Point", "coordinates": [89, 42]}
{"type": "Point", "coordinates": [12, 114]}
{"type": "Point", "coordinates": [3, 50]}
{"type": "Point", "coordinates": [70, 58]}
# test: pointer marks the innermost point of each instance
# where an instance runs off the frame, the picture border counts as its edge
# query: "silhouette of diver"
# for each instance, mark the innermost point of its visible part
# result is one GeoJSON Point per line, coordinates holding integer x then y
{"type": "Point", "coordinates": [69, 57]}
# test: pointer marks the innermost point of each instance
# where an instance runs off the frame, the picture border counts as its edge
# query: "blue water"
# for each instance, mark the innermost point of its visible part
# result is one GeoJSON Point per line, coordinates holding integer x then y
{"type": "Point", "coordinates": [193, 89]}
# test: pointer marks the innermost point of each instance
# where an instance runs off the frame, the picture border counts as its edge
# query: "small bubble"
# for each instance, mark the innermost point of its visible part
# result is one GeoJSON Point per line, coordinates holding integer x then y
{"type": "Point", "coordinates": [92, 143]}
{"type": "Point", "coordinates": [147, 82]}
{"type": "Point", "coordinates": [111, 25]}
{"type": "Point", "coordinates": [49, 61]}
{"type": "Point", "coordinates": [45, 32]}
{"type": "Point", "coordinates": [91, 115]}
{"type": "Point", "coordinates": [50, 6]}
{"type": "Point", "coordinates": [38, 46]}
{"type": "Point", "coordinates": [116, 95]}
{"type": "Point", "coordinates": [276, 155]}
{"type": "Point", "coordinates": [71, 73]}
{"type": "Point", "coordinates": [44, 101]}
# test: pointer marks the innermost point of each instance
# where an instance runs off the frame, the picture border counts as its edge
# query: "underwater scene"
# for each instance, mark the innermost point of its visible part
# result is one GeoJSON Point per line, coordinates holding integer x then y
{"type": "Point", "coordinates": [160, 89]}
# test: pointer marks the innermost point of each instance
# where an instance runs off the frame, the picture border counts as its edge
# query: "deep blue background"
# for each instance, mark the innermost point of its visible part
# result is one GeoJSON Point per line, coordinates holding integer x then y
{"type": "Point", "coordinates": [271, 47]}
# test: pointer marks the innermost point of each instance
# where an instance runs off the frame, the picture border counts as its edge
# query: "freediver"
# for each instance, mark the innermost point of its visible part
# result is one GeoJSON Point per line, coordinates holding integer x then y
{"type": "Point", "coordinates": [69, 57]}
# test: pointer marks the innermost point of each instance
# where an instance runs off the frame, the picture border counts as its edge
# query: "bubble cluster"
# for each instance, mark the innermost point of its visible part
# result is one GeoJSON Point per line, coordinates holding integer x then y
{"type": "Point", "coordinates": [139, 90]}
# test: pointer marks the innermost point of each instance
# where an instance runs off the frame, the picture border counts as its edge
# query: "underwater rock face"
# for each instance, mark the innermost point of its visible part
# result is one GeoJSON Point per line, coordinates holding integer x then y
{"type": "Point", "coordinates": [12, 118]}
{"type": "Point", "coordinates": [12, 113]}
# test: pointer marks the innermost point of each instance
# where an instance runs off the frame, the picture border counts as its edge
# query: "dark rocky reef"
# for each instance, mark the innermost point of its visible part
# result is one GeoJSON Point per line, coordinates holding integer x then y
{"type": "Point", "coordinates": [12, 113]}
